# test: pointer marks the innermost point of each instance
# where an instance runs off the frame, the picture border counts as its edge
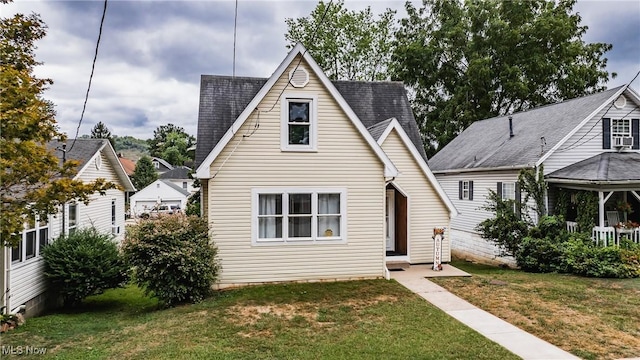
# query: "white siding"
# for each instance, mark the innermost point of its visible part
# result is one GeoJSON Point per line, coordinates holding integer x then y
{"type": "Point", "coordinates": [343, 159]}
{"type": "Point", "coordinates": [26, 278]}
{"type": "Point", "coordinates": [98, 212]}
{"type": "Point", "coordinates": [587, 141]}
{"type": "Point", "coordinates": [157, 192]}
{"type": "Point", "coordinates": [426, 210]}
{"type": "Point", "coordinates": [470, 212]}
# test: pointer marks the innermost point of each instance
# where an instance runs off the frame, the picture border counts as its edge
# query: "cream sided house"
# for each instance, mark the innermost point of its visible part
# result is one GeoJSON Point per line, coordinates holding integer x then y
{"type": "Point", "coordinates": [305, 179]}
{"type": "Point", "coordinates": [23, 281]}
{"type": "Point", "coordinates": [585, 145]}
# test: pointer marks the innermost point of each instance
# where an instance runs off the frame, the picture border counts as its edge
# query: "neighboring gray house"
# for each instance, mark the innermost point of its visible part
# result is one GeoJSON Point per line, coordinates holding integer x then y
{"type": "Point", "coordinates": [589, 143]}
{"type": "Point", "coordinates": [161, 165]}
{"type": "Point", "coordinates": [24, 281]}
{"type": "Point", "coordinates": [180, 176]}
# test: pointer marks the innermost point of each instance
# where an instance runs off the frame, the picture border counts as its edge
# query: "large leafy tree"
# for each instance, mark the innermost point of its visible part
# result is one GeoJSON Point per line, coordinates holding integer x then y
{"type": "Point", "coordinates": [144, 173]}
{"type": "Point", "coordinates": [348, 45]}
{"type": "Point", "coordinates": [33, 180]}
{"type": "Point", "coordinates": [473, 60]}
{"type": "Point", "coordinates": [101, 131]}
{"type": "Point", "coordinates": [172, 144]}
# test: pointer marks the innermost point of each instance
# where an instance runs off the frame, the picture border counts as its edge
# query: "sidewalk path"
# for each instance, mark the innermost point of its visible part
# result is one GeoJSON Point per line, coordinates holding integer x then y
{"type": "Point", "coordinates": [514, 339]}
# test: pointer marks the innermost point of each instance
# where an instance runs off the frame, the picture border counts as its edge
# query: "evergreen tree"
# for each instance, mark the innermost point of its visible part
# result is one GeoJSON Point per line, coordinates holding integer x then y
{"type": "Point", "coordinates": [144, 174]}
{"type": "Point", "coordinates": [100, 131]}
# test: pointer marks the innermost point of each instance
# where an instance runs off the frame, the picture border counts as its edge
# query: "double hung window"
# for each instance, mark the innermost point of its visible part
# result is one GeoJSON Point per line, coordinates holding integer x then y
{"type": "Point", "coordinates": [299, 215]}
{"type": "Point", "coordinates": [299, 122]}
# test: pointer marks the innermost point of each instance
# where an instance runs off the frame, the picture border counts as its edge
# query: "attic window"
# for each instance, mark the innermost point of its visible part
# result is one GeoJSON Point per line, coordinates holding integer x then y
{"type": "Point", "coordinates": [620, 102]}
{"type": "Point", "coordinates": [299, 77]}
{"type": "Point", "coordinates": [299, 123]}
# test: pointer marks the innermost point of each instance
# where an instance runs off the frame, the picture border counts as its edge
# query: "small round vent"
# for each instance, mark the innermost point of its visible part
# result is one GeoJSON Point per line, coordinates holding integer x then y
{"type": "Point", "coordinates": [299, 77]}
{"type": "Point", "coordinates": [620, 102]}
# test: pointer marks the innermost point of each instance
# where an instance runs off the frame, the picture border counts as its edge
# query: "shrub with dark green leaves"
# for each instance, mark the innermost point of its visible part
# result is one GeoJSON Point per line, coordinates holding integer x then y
{"type": "Point", "coordinates": [82, 264]}
{"type": "Point", "coordinates": [583, 257]}
{"type": "Point", "coordinates": [173, 258]}
{"type": "Point", "coordinates": [539, 254]}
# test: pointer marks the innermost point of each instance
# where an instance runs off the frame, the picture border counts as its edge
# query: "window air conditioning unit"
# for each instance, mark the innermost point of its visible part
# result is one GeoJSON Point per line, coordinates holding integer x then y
{"type": "Point", "coordinates": [623, 141]}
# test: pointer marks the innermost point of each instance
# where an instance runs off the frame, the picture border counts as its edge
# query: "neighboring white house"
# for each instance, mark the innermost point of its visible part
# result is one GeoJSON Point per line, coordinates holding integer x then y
{"type": "Point", "coordinates": [181, 177]}
{"type": "Point", "coordinates": [584, 144]}
{"type": "Point", "coordinates": [23, 272]}
{"type": "Point", "coordinates": [159, 192]}
{"type": "Point", "coordinates": [305, 179]}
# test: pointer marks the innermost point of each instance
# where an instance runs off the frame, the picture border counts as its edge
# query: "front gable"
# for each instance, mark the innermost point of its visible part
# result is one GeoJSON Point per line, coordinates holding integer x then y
{"type": "Point", "coordinates": [595, 134]}
{"type": "Point", "coordinates": [316, 90]}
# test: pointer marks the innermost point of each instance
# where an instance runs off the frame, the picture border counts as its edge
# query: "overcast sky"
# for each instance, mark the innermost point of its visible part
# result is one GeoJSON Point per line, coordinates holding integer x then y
{"type": "Point", "coordinates": [152, 53]}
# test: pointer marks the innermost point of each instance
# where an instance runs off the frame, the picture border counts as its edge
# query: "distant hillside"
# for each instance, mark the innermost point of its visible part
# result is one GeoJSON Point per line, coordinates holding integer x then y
{"type": "Point", "coordinates": [130, 147]}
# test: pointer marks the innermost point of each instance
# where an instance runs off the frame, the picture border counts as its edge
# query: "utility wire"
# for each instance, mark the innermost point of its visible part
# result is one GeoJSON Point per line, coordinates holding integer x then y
{"type": "Point", "coordinates": [575, 143]}
{"type": "Point", "coordinates": [93, 66]}
{"type": "Point", "coordinates": [235, 26]}
{"type": "Point", "coordinates": [257, 123]}
{"type": "Point", "coordinates": [312, 40]}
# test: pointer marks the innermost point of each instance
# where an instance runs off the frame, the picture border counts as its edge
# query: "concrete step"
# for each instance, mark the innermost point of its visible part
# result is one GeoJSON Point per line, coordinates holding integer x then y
{"type": "Point", "coordinates": [398, 265]}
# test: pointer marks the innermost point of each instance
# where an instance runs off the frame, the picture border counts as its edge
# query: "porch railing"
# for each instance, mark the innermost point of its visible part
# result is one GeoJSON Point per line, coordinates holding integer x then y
{"type": "Point", "coordinates": [608, 235]}
{"type": "Point", "coordinates": [605, 235]}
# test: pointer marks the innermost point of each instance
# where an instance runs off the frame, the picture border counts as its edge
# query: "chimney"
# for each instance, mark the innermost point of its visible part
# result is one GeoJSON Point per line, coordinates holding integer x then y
{"type": "Point", "coordinates": [510, 127]}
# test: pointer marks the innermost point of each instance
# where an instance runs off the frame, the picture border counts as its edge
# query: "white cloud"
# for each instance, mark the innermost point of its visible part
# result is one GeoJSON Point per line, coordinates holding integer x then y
{"type": "Point", "coordinates": [153, 52]}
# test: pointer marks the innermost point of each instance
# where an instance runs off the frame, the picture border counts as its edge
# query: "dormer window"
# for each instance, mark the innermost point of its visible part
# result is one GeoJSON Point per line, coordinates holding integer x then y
{"type": "Point", "coordinates": [299, 123]}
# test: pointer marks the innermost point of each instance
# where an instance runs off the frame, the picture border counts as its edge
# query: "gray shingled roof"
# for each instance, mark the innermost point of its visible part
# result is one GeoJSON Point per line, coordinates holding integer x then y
{"type": "Point", "coordinates": [82, 150]}
{"type": "Point", "coordinates": [223, 98]}
{"type": "Point", "coordinates": [609, 166]}
{"type": "Point", "coordinates": [378, 129]}
{"type": "Point", "coordinates": [180, 172]}
{"type": "Point", "coordinates": [176, 188]}
{"type": "Point", "coordinates": [486, 143]}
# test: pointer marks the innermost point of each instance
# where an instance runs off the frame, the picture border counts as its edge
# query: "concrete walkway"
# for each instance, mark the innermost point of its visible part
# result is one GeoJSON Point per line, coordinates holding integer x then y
{"type": "Point", "coordinates": [511, 337]}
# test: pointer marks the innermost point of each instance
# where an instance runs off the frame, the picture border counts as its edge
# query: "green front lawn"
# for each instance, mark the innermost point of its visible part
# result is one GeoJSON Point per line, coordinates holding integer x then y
{"type": "Point", "coordinates": [374, 319]}
{"type": "Point", "coordinates": [591, 318]}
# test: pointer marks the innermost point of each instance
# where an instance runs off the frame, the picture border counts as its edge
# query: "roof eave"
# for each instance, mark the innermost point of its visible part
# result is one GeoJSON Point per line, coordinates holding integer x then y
{"type": "Point", "coordinates": [481, 169]}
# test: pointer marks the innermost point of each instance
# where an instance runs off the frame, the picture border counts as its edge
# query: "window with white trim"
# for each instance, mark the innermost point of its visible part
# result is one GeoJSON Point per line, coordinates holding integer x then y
{"type": "Point", "coordinates": [620, 128]}
{"type": "Point", "coordinates": [34, 237]}
{"type": "Point", "coordinates": [465, 190]}
{"type": "Point", "coordinates": [508, 191]}
{"type": "Point", "coordinates": [299, 122]}
{"type": "Point", "coordinates": [299, 215]}
{"type": "Point", "coordinates": [73, 218]}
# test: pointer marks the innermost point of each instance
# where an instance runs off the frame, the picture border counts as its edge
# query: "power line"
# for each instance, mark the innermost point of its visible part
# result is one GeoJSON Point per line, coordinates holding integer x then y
{"type": "Point", "coordinates": [313, 37]}
{"type": "Point", "coordinates": [93, 66]}
{"type": "Point", "coordinates": [575, 143]}
{"type": "Point", "coordinates": [235, 26]}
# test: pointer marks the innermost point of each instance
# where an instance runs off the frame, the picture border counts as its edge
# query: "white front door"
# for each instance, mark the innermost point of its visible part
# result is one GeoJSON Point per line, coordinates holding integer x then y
{"type": "Point", "coordinates": [390, 220]}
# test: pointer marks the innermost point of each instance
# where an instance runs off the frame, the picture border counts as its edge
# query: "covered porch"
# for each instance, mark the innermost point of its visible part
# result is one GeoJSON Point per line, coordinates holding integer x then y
{"type": "Point", "coordinates": [600, 195]}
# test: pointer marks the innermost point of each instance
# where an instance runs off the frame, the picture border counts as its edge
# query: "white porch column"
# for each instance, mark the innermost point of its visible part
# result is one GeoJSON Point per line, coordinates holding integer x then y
{"type": "Point", "coordinates": [601, 201]}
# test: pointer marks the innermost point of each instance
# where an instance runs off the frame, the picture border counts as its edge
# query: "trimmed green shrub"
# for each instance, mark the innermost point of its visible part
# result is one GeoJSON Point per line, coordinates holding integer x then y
{"type": "Point", "coordinates": [82, 264]}
{"type": "Point", "coordinates": [539, 255]}
{"type": "Point", "coordinates": [173, 258]}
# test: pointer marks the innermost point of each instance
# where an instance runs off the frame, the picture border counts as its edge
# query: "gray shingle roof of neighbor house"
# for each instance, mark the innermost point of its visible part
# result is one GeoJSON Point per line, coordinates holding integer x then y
{"type": "Point", "coordinates": [176, 188]}
{"type": "Point", "coordinates": [487, 144]}
{"type": "Point", "coordinates": [223, 98]}
{"type": "Point", "coordinates": [82, 150]}
{"type": "Point", "coordinates": [180, 172]}
{"type": "Point", "coordinates": [609, 166]}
